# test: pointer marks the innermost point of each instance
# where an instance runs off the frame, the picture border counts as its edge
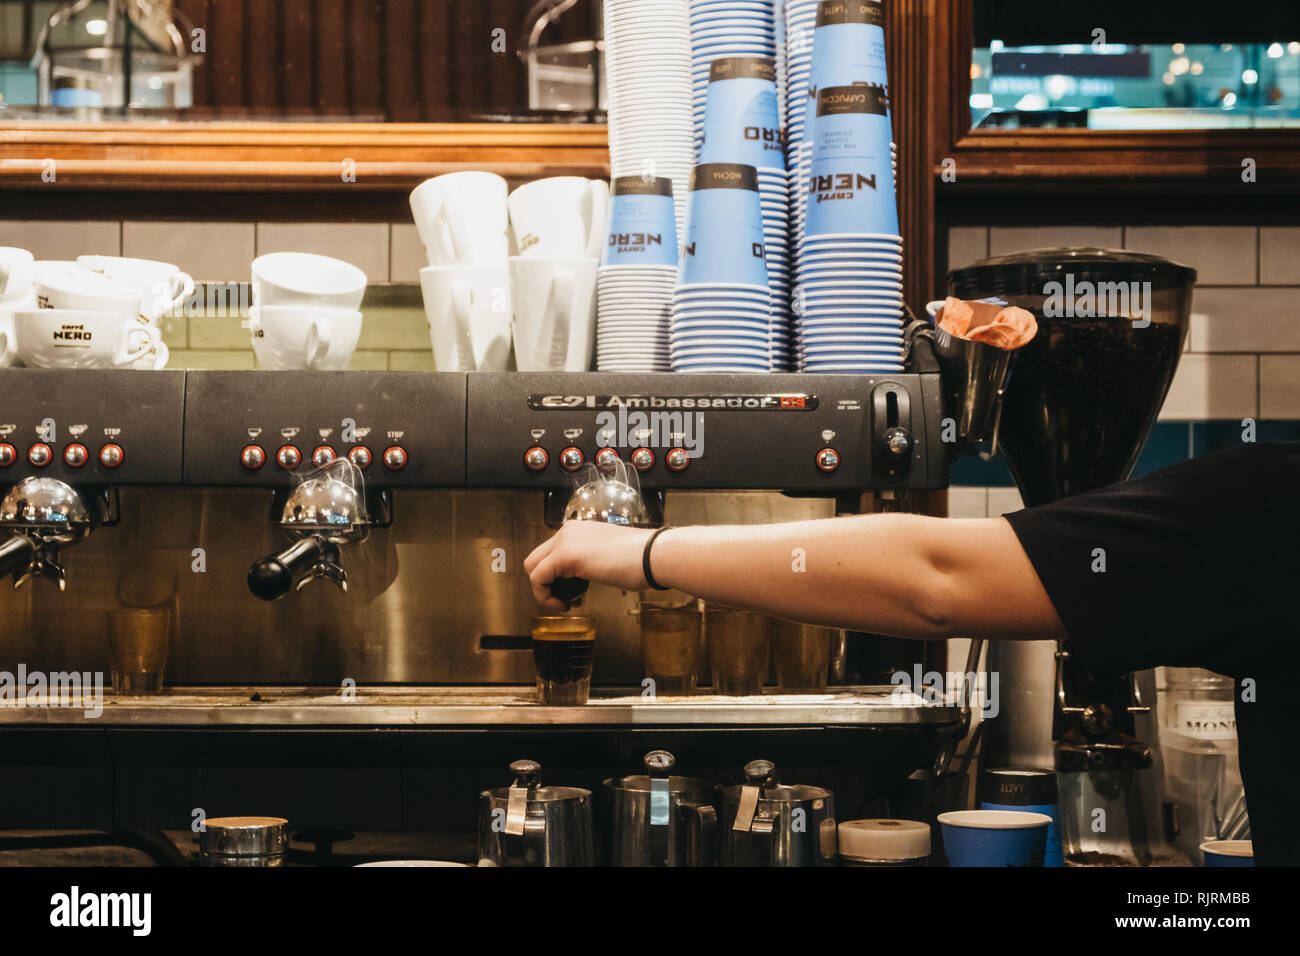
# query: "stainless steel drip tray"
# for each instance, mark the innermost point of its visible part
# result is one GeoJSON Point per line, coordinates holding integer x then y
{"type": "Point", "coordinates": [409, 706]}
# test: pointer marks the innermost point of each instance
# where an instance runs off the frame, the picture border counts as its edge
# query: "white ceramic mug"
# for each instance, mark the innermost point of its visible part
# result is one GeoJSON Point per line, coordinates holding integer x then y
{"type": "Point", "coordinates": [17, 273]}
{"type": "Point", "coordinates": [563, 217]}
{"type": "Point", "coordinates": [161, 285]}
{"type": "Point", "coordinates": [462, 219]}
{"type": "Point", "coordinates": [76, 338]}
{"type": "Point", "coordinates": [302, 278]}
{"type": "Point", "coordinates": [8, 337]}
{"type": "Point", "coordinates": [555, 313]}
{"type": "Point", "coordinates": [297, 337]}
{"type": "Point", "coordinates": [469, 314]}
{"type": "Point", "coordinates": [85, 292]}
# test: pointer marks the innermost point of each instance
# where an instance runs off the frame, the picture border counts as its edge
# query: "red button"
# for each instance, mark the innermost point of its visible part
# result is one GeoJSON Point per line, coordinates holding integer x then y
{"type": "Point", "coordinates": [111, 455]}
{"type": "Point", "coordinates": [39, 454]}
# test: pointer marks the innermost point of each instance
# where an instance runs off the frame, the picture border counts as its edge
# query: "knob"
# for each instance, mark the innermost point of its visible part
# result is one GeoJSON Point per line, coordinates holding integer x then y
{"type": "Point", "coordinates": [252, 457]}
{"type": "Point", "coordinates": [536, 459]}
{"type": "Point", "coordinates": [642, 459]}
{"type": "Point", "coordinates": [395, 458]}
{"type": "Point", "coordinates": [361, 457]}
{"type": "Point", "coordinates": [677, 459]}
{"type": "Point", "coordinates": [898, 442]}
{"type": "Point", "coordinates": [75, 455]}
{"type": "Point", "coordinates": [322, 455]}
{"type": "Point", "coordinates": [39, 454]}
{"type": "Point", "coordinates": [606, 459]}
{"type": "Point", "coordinates": [571, 458]}
{"type": "Point", "coordinates": [828, 460]}
{"type": "Point", "coordinates": [288, 457]}
{"type": "Point", "coordinates": [8, 454]}
{"type": "Point", "coordinates": [111, 455]}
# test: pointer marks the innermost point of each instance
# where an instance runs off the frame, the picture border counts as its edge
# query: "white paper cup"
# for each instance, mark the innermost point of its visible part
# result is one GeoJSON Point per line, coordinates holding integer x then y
{"type": "Point", "coordinates": [469, 314]}
{"type": "Point", "coordinates": [72, 338]}
{"type": "Point", "coordinates": [555, 313]}
{"type": "Point", "coordinates": [302, 278]}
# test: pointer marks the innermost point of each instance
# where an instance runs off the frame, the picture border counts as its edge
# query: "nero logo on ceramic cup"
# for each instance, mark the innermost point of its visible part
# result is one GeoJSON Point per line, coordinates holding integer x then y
{"type": "Point", "coordinates": [562, 217]}
{"type": "Point", "coordinates": [724, 231]}
{"type": "Point", "coordinates": [742, 122]}
{"type": "Point", "coordinates": [71, 338]}
{"type": "Point", "coordinates": [850, 187]}
{"type": "Point", "coordinates": [642, 223]}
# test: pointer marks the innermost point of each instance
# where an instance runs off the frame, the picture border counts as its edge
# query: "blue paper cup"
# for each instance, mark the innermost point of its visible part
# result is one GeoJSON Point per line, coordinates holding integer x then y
{"type": "Point", "coordinates": [643, 223]}
{"type": "Point", "coordinates": [849, 44]}
{"type": "Point", "coordinates": [724, 231]}
{"type": "Point", "coordinates": [850, 187]}
{"type": "Point", "coordinates": [741, 121]}
{"type": "Point", "coordinates": [994, 837]}
{"type": "Point", "coordinates": [1228, 853]}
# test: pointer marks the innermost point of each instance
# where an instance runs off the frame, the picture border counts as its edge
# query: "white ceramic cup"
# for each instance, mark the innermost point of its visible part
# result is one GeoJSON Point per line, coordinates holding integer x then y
{"type": "Point", "coordinates": [85, 292]}
{"type": "Point", "coordinates": [302, 278]}
{"type": "Point", "coordinates": [8, 337]}
{"type": "Point", "coordinates": [75, 338]}
{"type": "Point", "coordinates": [462, 219]}
{"type": "Point", "coordinates": [469, 314]}
{"type": "Point", "coordinates": [161, 285]}
{"type": "Point", "coordinates": [17, 273]}
{"type": "Point", "coordinates": [555, 313]}
{"type": "Point", "coordinates": [563, 217]}
{"type": "Point", "coordinates": [300, 337]}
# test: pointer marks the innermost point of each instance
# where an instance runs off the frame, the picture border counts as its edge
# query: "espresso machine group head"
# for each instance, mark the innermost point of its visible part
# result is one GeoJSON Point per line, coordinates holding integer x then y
{"type": "Point", "coordinates": [43, 515]}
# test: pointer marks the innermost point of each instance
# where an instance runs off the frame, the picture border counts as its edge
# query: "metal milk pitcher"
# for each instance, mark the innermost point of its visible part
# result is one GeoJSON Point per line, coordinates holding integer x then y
{"type": "Point", "coordinates": [767, 823]}
{"type": "Point", "coordinates": [526, 824]}
{"type": "Point", "coordinates": [657, 819]}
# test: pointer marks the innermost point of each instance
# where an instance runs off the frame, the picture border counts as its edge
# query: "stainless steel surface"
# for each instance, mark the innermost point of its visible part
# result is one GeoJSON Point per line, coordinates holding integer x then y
{"type": "Point", "coordinates": [1021, 736]}
{"type": "Point", "coordinates": [975, 377]}
{"type": "Point", "coordinates": [767, 823]}
{"type": "Point", "coordinates": [242, 841]}
{"type": "Point", "coordinates": [613, 499]}
{"type": "Point", "coordinates": [423, 593]}
{"type": "Point", "coordinates": [487, 706]}
{"type": "Point", "coordinates": [657, 819]}
{"type": "Point", "coordinates": [527, 824]}
{"type": "Point", "coordinates": [43, 514]}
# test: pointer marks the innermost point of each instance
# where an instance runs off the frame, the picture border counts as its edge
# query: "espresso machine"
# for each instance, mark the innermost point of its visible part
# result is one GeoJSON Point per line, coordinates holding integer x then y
{"type": "Point", "coordinates": [1079, 405]}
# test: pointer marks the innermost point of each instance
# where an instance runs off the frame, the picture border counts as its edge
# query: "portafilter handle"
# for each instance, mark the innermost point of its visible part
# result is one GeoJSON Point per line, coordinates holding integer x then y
{"type": "Point", "coordinates": [16, 556]}
{"type": "Point", "coordinates": [275, 575]}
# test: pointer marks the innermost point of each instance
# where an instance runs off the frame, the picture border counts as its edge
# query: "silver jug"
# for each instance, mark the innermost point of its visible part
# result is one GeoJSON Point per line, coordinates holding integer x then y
{"type": "Point", "coordinates": [656, 819]}
{"type": "Point", "coordinates": [766, 823]}
{"type": "Point", "coordinates": [526, 824]}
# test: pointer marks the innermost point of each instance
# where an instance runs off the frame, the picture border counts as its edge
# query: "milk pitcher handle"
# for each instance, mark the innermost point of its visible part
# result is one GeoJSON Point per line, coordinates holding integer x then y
{"type": "Point", "coordinates": [699, 824]}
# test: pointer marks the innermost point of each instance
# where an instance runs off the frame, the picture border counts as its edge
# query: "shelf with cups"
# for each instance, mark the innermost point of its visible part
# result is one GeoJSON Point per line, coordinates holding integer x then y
{"type": "Point", "coordinates": [282, 156]}
{"type": "Point", "coordinates": [413, 706]}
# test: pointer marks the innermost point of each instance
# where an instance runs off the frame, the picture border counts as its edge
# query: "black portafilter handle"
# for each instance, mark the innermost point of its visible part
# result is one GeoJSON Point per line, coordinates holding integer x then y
{"type": "Point", "coordinates": [16, 554]}
{"type": "Point", "coordinates": [569, 590]}
{"type": "Point", "coordinates": [275, 575]}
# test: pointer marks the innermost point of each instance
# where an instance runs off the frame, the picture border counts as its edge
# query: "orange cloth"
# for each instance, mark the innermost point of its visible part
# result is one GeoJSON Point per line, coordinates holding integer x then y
{"type": "Point", "coordinates": [1006, 327]}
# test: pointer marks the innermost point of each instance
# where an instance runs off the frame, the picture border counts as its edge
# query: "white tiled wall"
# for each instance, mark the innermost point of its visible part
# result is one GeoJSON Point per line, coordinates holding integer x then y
{"type": "Point", "coordinates": [1243, 350]}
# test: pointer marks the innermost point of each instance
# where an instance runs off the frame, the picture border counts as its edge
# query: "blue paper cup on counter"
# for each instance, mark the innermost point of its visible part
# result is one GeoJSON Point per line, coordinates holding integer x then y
{"type": "Point", "coordinates": [850, 183]}
{"type": "Point", "coordinates": [1228, 853]}
{"type": "Point", "coordinates": [1034, 790]}
{"type": "Point", "coordinates": [995, 837]}
{"type": "Point", "coordinates": [849, 44]}
{"type": "Point", "coordinates": [742, 122]}
{"type": "Point", "coordinates": [724, 228]}
{"type": "Point", "coordinates": [643, 223]}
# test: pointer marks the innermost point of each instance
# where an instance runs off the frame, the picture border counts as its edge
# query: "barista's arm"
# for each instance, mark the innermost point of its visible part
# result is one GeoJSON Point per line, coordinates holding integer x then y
{"type": "Point", "coordinates": [899, 575]}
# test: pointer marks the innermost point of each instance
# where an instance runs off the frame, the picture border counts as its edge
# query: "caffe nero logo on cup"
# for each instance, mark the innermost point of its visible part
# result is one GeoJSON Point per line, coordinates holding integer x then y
{"type": "Point", "coordinates": [72, 337]}
{"type": "Point", "coordinates": [724, 176]}
{"type": "Point", "coordinates": [833, 12]}
{"type": "Point", "coordinates": [642, 186]}
{"type": "Point", "coordinates": [635, 241]}
{"type": "Point", "coordinates": [743, 68]}
{"type": "Point", "coordinates": [866, 98]}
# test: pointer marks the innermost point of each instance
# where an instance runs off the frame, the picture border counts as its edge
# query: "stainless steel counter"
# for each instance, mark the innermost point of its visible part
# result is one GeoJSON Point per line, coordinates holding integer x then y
{"type": "Point", "coordinates": [484, 706]}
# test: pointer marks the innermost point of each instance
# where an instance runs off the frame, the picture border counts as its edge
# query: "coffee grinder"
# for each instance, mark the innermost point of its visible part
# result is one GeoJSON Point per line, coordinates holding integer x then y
{"type": "Point", "coordinates": [1076, 412]}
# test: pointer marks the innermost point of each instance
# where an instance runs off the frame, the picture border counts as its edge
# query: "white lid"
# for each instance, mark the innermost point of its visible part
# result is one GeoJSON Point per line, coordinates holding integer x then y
{"type": "Point", "coordinates": [994, 819]}
{"type": "Point", "coordinates": [1240, 848]}
{"type": "Point", "coordinates": [884, 840]}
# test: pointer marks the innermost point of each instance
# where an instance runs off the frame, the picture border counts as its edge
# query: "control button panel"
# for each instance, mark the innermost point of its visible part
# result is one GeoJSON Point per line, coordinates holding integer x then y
{"type": "Point", "coordinates": [571, 459]}
{"type": "Point", "coordinates": [812, 434]}
{"type": "Point", "coordinates": [92, 426]}
{"type": "Point", "coordinates": [404, 429]}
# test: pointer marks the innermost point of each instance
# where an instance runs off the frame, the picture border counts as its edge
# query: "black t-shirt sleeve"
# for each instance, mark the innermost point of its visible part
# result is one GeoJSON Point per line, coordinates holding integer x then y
{"type": "Point", "coordinates": [1192, 566]}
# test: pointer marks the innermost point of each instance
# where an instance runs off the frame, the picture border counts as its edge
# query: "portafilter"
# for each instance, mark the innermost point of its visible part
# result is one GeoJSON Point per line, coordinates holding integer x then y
{"type": "Point", "coordinates": [320, 514]}
{"type": "Point", "coordinates": [42, 516]}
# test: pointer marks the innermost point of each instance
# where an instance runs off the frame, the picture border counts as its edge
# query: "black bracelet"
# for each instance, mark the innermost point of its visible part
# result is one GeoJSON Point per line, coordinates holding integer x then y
{"type": "Point", "coordinates": [645, 560]}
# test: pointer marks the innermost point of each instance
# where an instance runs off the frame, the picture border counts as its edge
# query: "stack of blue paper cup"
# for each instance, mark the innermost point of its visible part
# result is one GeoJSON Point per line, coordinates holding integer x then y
{"type": "Point", "coordinates": [726, 28]}
{"type": "Point", "coordinates": [849, 264]}
{"type": "Point", "coordinates": [742, 125]}
{"type": "Point", "coordinates": [637, 275]}
{"type": "Point", "coordinates": [722, 313]}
